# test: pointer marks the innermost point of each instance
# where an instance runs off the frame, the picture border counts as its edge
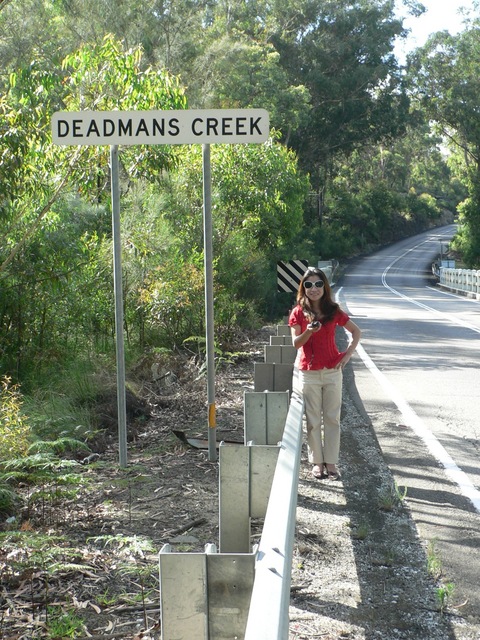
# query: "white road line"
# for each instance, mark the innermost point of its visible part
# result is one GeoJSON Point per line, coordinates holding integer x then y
{"type": "Point", "coordinates": [449, 318]}
{"type": "Point", "coordinates": [457, 296]}
{"type": "Point", "coordinates": [417, 425]}
{"type": "Point", "coordinates": [410, 418]}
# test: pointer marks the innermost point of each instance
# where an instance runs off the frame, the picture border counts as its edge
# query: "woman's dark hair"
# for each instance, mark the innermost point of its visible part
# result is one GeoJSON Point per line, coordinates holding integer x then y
{"type": "Point", "coordinates": [328, 306]}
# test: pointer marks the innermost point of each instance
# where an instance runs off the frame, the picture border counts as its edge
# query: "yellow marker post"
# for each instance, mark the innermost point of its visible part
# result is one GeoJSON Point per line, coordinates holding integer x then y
{"type": "Point", "coordinates": [212, 420]}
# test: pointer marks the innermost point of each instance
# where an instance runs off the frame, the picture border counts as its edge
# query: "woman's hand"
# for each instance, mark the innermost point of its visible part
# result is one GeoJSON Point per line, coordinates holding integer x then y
{"type": "Point", "coordinates": [344, 361]}
{"type": "Point", "coordinates": [299, 338]}
{"type": "Point", "coordinates": [356, 334]}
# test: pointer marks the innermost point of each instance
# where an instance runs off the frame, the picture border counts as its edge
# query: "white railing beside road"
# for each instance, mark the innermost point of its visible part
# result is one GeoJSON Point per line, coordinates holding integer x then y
{"type": "Point", "coordinates": [243, 591]}
{"type": "Point", "coordinates": [461, 280]}
{"type": "Point", "coordinates": [269, 607]}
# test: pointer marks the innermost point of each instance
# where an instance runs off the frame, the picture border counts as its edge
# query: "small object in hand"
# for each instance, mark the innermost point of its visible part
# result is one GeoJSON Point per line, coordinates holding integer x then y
{"type": "Point", "coordinates": [315, 324]}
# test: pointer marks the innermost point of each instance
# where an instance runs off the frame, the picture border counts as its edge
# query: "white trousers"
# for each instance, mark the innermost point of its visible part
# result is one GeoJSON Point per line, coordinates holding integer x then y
{"type": "Point", "coordinates": [322, 392]}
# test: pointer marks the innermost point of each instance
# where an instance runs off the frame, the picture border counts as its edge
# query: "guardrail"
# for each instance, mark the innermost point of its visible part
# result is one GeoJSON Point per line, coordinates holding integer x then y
{"type": "Point", "coordinates": [269, 606]}
{"type": "Point", "coordinates": [240, 592]}
{"type": "Point", "coordinates": [461, 280]}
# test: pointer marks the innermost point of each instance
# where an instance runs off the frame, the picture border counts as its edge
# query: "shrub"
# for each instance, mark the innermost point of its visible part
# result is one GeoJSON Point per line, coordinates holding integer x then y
{"type": "Point", "coordinates": [15, 429]}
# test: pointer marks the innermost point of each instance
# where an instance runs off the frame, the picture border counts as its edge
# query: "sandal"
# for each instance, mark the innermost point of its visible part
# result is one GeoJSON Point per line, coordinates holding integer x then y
{"type": "Point", "coordinates": [319, 472]}
{"type": "Point", "coordinates": [333, 474]}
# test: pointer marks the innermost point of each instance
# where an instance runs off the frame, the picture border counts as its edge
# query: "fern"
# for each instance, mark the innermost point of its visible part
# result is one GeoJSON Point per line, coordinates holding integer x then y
{"type": "Point", "coordinates": [50, 494]}
{"type": "Point", "coordinates": [39, 462]}
{"type": "Point", "coordinates": [13, 477]}
{"type": "Point", "coordinates": [58, 447]}
{"type": "Point", "coordinates": [131, 544]}
{"type": "Point", "coordinates": [40, 468]}
{"type": "Point", "coordinates": [70, 478]}
{"type": "Point", "coordinates": [8, 500]}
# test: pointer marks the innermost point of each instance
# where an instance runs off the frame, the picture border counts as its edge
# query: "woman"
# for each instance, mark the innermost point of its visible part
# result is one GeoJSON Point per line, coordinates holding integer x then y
{"type": "Point", "coordinates": [313, 322]}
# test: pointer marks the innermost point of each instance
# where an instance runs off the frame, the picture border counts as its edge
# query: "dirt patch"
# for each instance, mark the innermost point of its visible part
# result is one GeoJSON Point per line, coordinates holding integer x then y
{"type": "Point", "coordinates": [359, 570]}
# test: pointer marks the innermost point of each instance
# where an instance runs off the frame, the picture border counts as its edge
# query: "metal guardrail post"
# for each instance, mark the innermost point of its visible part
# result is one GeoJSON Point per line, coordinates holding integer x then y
{"type": "Point", "coordinates": [271, 376]}
{"type": "Point", "coordinates": [284, 330]}
{"type": "Point", "coordinates": [240, 593]}
{"type": "Point", "coordinates": [283, 354]}
{"type": "Point", "coordinates": [245, 478]}
{"type": "Point", "coordinates": [265, 414]}
{"type": "Point", "coordinates": [204, 596]}
{"type": "Point", "coordinates": [234, 499]}
{"type": "Point", "coordinates": [269, 607]}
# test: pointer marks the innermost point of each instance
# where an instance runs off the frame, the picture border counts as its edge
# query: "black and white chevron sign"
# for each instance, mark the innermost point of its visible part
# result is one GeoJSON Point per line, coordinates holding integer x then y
{"type": "Point", "coordinates": [290, 273]}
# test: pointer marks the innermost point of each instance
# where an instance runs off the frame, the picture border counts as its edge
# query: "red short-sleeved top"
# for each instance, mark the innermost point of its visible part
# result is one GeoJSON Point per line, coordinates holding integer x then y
{"type": "Point", "coordinates": [320, 351]}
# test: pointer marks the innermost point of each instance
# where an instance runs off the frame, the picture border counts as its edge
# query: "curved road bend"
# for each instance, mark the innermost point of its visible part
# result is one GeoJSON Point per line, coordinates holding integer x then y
{"type": "Point", "coordinates": [417, 379]}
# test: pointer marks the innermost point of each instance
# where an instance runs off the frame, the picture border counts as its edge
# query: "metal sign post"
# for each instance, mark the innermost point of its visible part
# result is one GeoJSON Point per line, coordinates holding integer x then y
{"type": "Point", "coordinates": [196, 126]}
{"type": "Point", "coordinates": [208, 261]}
{"type": "Point", "coordinates": [118, 289]}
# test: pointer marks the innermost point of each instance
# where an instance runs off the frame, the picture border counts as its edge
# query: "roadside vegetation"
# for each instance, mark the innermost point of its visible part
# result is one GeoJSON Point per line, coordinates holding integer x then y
{"type": "Point", "coordinates": [363, 151]}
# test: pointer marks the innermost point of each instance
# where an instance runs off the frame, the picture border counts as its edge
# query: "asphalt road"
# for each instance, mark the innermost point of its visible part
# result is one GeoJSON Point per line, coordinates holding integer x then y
{"type": "Point", "coordinates": [417, 380]}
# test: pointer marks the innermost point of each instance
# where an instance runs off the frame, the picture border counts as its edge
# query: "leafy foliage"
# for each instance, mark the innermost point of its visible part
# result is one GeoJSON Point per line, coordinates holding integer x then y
{"type": "Point", "coordinates": [108, 77]}
{"type": "Point", "coordinates": [53, 254]}
{"type": "Point", "coordinates": [63, 624]}
{"type": "Point", "coordinates": [446, 74]}
{"type": "Point", "coordinates": [8, 498]}
{"type": "Point", "coordinates": [61, 446]}
{"type": "Point", "coordinates": [173, 302]}
{"type": "Point", "coordinates": [15, 433]}
{"type": "Point", "coordinates": [467, 240]}
{"type": "Point", "coordinates": [130, 546]}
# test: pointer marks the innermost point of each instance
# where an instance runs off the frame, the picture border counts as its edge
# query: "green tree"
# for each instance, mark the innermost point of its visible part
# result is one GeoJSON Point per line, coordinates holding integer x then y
{"type": "Point", "coordinates": [108, 77]}
{"type": "Point", "coordinates": [257, 209]}
{"type": "Point", "coordinates": [257, 190]}
{"type": "Point", "coordinates": [45, 251]}
{"type": "Point", "coordinates": [238, 71]}
{"type": "Point", "coordinates": [342, 54]}
{"type": "Point", "coordinates": [467, 240]}
{"type": "Point", "coordinates": [21, 23]}
{"type": "Point", "coordinates": [445, 74]}
{"type": "Point", "coordinates": [94, 77]}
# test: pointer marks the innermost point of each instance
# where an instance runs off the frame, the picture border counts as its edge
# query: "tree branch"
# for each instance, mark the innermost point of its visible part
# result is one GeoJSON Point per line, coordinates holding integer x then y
{"type": "Point", "coordinates": [29, 233]}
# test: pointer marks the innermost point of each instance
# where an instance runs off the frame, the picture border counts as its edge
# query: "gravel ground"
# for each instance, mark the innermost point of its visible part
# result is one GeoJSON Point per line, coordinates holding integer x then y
{"type": "Point", "coordinates": [360, 570]}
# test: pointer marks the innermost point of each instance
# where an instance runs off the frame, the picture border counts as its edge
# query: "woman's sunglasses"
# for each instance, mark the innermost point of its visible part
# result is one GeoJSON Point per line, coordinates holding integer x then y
{"type": "Point", "coordinates": [309, 284]}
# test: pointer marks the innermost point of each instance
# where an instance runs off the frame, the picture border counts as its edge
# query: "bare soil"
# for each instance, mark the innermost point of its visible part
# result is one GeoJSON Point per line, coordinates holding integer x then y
{"type": "Point", "coordinates": [359, 569]}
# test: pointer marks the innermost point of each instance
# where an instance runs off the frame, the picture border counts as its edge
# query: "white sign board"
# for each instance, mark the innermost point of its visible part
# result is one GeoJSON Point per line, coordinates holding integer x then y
{"type": "Point", "coordinates": [196, 126]}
